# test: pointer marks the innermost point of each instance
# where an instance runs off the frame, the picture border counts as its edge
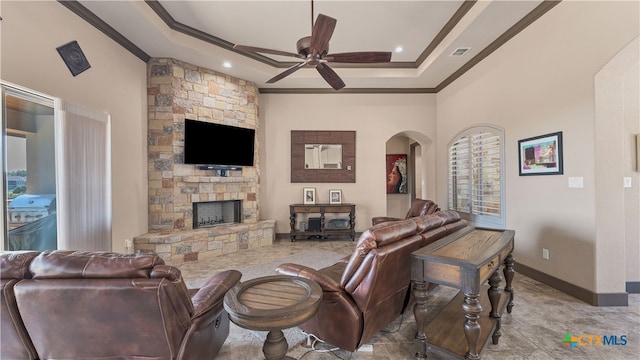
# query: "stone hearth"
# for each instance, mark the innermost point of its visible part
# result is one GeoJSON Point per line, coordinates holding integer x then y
{"type": "Point", "coordinates": [177, 247]}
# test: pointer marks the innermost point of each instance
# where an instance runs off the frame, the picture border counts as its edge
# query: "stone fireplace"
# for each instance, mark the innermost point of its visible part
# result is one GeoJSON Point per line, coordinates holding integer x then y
{"type": "Point", "coordinates": [213, 213]}
{"type": "Point", "coordinates": [177, 90]}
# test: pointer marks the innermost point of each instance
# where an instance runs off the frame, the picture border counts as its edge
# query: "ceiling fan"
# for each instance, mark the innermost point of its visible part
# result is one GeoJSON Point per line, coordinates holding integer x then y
{"type": "Point", "coordinates": [314, 51]}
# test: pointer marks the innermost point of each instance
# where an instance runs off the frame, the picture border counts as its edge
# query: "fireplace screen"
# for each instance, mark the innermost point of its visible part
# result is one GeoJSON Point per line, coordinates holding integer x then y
{"type": "Point", "coordinates": [212, 213]}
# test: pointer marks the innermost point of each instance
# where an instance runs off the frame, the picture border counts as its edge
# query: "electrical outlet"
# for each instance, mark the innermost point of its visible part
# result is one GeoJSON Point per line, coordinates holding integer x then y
{"type": "Point", "coordinates": [576, 182]}
{"type": "Point", "coordinates": [545, 254]}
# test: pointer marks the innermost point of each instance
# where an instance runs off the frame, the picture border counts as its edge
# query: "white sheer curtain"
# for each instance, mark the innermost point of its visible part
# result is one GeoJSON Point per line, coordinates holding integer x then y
{"type": "Point", "coordinates": [83, 178]}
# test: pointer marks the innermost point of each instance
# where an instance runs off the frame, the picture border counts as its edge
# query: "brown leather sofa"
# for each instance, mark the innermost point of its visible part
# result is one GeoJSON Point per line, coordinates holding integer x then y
{"type": "Point", "coordinates": [366, 291]}
{"type": "Point", "coordinates": [419, 207]}
{"type": "Point", "coordinates": [79, 305]}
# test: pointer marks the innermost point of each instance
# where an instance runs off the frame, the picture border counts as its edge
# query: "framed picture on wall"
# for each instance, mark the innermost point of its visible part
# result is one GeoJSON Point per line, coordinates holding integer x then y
{"type": "Point", "coordinates": [541, 155]}
{"type": "Point", "coordinates": [335, 196]}
{"type": "Point", "coordinates": [309, 196]}
{"type": "Point", "coordinates": [397, 174]}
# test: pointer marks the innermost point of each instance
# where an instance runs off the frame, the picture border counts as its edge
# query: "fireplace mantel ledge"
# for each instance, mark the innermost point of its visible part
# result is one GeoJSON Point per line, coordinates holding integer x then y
{"type": "Point", "coordinates": [218, 179]}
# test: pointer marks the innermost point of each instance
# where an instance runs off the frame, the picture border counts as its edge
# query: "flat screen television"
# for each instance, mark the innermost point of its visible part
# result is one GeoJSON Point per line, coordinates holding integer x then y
{"type": "Point", "coordinates": [216, 144]}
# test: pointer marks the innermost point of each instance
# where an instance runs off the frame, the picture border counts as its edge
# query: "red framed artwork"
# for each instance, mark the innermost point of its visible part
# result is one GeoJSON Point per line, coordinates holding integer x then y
{"type": "Point", "coordinates": [397, 174]}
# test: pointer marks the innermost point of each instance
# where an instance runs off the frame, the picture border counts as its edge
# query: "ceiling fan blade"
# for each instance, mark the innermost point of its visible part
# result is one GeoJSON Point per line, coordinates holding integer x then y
{"type": "Point", "coordinates": [266, 51]}
{"type": "Point", "coordinates": [287, 72]}
{"type": "Point", "coordinates": [330, 76]}
{"type": "Point", "coordinates": [321, 34]}
{"type": "Point", "coordinates": [360, 57]}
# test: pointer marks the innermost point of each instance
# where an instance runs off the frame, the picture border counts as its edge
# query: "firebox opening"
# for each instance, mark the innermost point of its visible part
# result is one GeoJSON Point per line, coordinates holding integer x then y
{"type": "Point", "coordinates": [213, 213]}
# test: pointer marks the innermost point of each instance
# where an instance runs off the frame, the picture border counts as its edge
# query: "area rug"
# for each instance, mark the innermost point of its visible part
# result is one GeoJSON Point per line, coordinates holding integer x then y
{"type": "Point", "coordinates": [315, 259]}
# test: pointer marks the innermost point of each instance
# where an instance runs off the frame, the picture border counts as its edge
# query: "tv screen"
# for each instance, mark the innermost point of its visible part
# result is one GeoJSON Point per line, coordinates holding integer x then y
{"type": "Point", "coordinates": [216, 144]}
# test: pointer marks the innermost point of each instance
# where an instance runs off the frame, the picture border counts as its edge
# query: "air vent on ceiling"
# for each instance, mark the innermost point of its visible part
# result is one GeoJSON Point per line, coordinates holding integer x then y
{"type": "Point", "coordinates": [460, 51]}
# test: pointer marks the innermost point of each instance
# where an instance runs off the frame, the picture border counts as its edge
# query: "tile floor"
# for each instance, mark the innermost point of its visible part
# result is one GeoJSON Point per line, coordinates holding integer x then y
{"type": "Point", "coordinates": [534, 330]}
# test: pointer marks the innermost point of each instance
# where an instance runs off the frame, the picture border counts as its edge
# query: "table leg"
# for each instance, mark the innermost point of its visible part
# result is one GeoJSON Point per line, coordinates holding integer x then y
{"type": "Point", "coordinates": [292, 223]}
{"type": "Point", "coordinates": [508, 275]}
{"type": "Point", "coordinates": [472, 309]}
{"type": "Point", "coordinates": [275, 345]}
{"type": "Point", "coordinates": [420, 314]}
{"type": "Point", "coordinates": [352, 225]}
{"type": "Point", "coordinates": [494, 299]}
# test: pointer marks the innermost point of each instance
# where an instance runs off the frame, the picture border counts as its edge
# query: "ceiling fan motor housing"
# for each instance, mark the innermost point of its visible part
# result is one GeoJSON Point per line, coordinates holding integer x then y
{"type": "Point", "coordinates": [304, 47]}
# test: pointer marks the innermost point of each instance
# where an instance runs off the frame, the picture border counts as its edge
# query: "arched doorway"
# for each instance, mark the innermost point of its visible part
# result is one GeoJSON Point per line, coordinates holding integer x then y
{"type": "Point", "coordinates": [420, 170]}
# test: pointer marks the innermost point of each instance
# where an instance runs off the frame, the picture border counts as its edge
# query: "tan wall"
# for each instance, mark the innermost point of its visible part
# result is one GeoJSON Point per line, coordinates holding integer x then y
{"type": "Point", "coordinates": [115, 83]}
{"type": "Point", "coordinates": [375, 118]}
{"type": "Point", "coordinates": [618, 208]}
{"type": "Point", "coordinates": [542, 81]}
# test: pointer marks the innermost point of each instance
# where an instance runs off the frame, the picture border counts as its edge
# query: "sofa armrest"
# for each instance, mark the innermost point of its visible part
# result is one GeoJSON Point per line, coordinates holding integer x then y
{"type": "Point", "coordinates": [380, 219]}
{"type": "Point", "coordinates": [214, 291]}
{"type": "Point", "coordinates": [325, 282]}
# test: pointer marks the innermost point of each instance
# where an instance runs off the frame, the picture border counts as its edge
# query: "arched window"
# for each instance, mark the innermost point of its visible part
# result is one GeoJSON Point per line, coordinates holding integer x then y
{"type": "Point", "coordinates": [476, 176]}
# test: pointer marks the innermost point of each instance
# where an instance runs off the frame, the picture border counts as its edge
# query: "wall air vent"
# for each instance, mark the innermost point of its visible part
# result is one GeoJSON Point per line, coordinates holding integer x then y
{"type": "Point", "coordinates": [460, 51]}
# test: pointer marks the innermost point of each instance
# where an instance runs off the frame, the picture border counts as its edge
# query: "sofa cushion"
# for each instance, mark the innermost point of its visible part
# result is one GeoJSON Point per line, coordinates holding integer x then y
{"type": "Point", "coordinates": [374, 237]}
{"type": "Point", "coordinates": [389, 232]}
{"type": "Point", "coordinates": [426, 223]}
{"type": "Point", "coordinates": [63, 264]}
{"type": "Point", "coordinates": [448, 216]}
{"type": "Point", "coordinates": [15, 264]}
{"type": "Point", "coordinates": [421, 207]}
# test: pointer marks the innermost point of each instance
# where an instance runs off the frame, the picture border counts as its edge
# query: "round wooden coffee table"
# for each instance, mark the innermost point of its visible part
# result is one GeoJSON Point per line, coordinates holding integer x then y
{"type": "Point", "coordinates": [273, 303]}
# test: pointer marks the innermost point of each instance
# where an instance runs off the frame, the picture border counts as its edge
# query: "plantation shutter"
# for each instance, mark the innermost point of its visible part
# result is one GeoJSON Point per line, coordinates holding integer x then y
{"type": "Point", "coordinates": [475, 176]}
{"type": "Point", "coordinates": [459, 177]}
{"type": "Point", "coordinates": [486, 164]}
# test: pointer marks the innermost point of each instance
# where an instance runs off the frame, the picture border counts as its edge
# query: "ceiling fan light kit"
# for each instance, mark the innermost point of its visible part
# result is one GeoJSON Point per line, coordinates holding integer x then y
{"type": "Point", "coordinates": [314, 51]}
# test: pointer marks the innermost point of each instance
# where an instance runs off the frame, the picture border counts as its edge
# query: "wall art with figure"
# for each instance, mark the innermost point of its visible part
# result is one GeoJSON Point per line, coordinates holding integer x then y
{"type": "Point", "coordinates": [397, 174]}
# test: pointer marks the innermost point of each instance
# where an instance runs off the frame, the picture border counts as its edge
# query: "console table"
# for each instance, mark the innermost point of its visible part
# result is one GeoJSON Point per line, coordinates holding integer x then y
{"type": "Point", "coordinates": [323, 209]}
{"type": "Point", "coordinates": [465, 260]}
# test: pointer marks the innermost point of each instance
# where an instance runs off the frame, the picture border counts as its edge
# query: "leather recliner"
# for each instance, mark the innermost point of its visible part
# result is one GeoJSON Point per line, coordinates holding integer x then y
{"type": "Point", "coordinates": [366, 291]}
{"type": "Point", "coordinates": [419, 207]}
{"type": "Point", "coordinates": [106, 305]}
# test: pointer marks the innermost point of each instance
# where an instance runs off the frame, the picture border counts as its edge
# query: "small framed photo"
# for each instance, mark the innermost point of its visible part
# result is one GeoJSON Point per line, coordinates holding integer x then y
{"type": "Point", "coordinates": [335, 196]}
{"type": "Point", "coordinates": [541, 155]}
{"type": "Point", "coordinates": [309, 195]}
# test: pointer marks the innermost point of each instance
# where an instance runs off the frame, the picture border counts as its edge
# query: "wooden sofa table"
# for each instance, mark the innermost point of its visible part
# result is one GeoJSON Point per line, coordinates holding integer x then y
{"type": "Point", "coordinates": [321, 210]}
{"type": "Point", "coordinates": [465, 259]}
{"type": "Point", "coordinates": [273, 303]}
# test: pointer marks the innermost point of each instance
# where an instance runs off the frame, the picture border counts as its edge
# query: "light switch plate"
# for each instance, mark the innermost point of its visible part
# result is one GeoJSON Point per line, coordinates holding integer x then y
{"type": "Point", "coordinates": [576, 182]}
{"type": "Point", "coordinates": [627, 182]}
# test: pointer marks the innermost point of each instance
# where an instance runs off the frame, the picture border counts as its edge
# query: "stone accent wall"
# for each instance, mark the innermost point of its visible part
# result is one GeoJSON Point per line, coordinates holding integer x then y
{"type": "Point", "coordinates": [178, 90]}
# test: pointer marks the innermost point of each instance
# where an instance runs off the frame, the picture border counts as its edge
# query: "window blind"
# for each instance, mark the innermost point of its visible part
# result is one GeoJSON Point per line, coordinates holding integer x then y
{"type": "Point", "coordinates": [459, 178]}
{"type": "Point", "coordinates": [475, 175]}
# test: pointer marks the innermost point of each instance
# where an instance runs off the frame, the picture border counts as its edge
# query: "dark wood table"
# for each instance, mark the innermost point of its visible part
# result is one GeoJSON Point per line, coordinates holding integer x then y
{"type": "Point", "coordinates": [321, 209]}
{"type": "Point", "coordinates": [273, 303]}
{"type": "Point", "coordinates": [465, 259]}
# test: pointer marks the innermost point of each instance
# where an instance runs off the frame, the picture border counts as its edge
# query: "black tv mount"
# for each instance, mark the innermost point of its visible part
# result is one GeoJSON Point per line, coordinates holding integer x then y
{"type": "Point", "coordinates": [222, 169]}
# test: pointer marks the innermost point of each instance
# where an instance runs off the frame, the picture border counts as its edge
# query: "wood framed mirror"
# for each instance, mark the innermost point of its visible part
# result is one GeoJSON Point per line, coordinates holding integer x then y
{"type": "Point", "coordinates": [323, 156]}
